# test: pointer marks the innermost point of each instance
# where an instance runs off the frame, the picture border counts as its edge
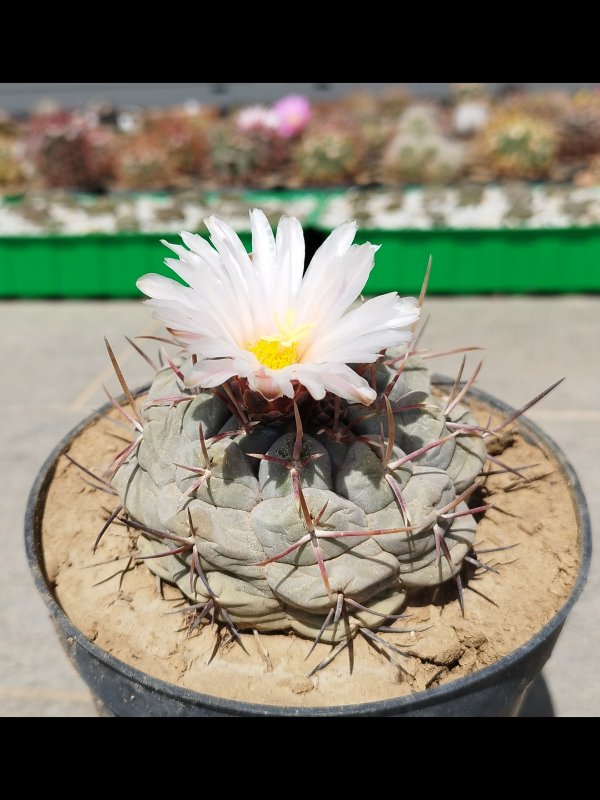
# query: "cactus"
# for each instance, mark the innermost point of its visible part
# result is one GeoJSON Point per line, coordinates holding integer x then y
{"type": "Point", "coordinates": [419, 153]}
{"type": "Point", "coordinates": [280, 520]}
{"type": "Point", "coordinates": [162, 149]}
{"type": "Point", "coordinates": [580, 129]}
{"type": "Point", "coordinates": [143, 162]}
{"type": "Point", "coordinates": [330, 152]}
{"type": "Point", "coordinates": [69, 151]}
{"type": "Point", "coordinates": [11, 163]}
{"type": "Point", "coordinates": [278, 490]}
{"type": "Point", "coordinates": [254, 156]}
{"type": "Point", "coordinates": [184, 138]}
{"type": "Point", "coordinates": [517, 145]}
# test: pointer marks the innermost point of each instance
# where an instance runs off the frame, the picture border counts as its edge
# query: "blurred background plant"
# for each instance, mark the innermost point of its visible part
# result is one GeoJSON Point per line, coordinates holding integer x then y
{"type": "Point", "coordinates": [163, 148]}
{"type": "Point", "coordinates": [364, 137]}
{"type": "Point", "coordinates": [69, 150]}
{"type": "Point", "coordinates": [470, 108]}
{"type": "Point", "coordinates": [248, 149]}
{"type": "Point", "coordinates": [580, 128]}
{"type": "Point", "coordinates": [331, 151]}
{"type": "Point", "coordinates": [516, 144]}
{"type": "Point", "coordinates": [418, 151]}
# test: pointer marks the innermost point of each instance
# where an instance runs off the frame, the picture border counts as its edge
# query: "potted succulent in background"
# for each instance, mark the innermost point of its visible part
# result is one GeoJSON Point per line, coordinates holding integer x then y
{"type": "Point", "coordinates": [509, 180]}
{"type": "Point", "coordinates": [301, 487]}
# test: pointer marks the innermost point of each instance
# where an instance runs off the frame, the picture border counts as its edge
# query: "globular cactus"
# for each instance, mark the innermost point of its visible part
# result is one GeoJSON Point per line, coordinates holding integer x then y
{"type": "Point", "coordinates": [373, 126]}
{"type": "Point", "coordinates": [282, 519]}
{"type": "Point", "coordinates": [12, 166]}
{"type": "Point", "coordinates": [299, 493]}
{"type": "Point", "coordinates": [518, 145]}
{"type": "Point", "coordinates": [143, 164]}
{"type": "Point", "coordinates": [183, 135]}
{"type": "Point", "coordinates": [419, 153]}
{"type": "Point", "coordinates": [579, 129]}
{"type": "Point", "coordinates": [70, 151]}
{"type": "Point", "coordinates": [247, 150]}
{"type": "Point", "coordinates": [331, 152]}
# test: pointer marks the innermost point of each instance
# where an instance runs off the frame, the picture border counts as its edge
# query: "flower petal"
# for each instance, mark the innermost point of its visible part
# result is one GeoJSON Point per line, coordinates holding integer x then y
{"type": "Point", "coordinates": [201, 249]}
{"type": "Point", "coordinates": [290, 253]}
{"type": "Point", "coordinates": [211, 373]}
{"type": "Point", "coordinates": [271, 384]}
{"type": "Point", "coordinates": [337, 378]}
{"type": "Point", "coordinates": [158, 286]}
{"type": "Point", "coordinates": [212, 347]}
{"type": "Point", "coordinates": [263, 252]}
{"type": "Point", "coordinates": [232, 301]}
{"type": "Point", "coordinates": [341, 282]}
{"type": "Point", "coordinates": [334, 247]}
{"type": "Point", "coordinates": [365, 330]}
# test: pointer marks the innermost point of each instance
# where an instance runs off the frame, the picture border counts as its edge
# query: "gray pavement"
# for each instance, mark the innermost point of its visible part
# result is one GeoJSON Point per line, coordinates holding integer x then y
{"type": "Point", "coordinates": [54, 364]}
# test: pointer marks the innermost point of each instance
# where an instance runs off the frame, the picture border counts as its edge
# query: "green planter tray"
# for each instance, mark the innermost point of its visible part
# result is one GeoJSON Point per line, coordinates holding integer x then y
{"type": "Point", "coordinates": [486, 261]}
{"type": "Point", "coordinates": [107, 264]}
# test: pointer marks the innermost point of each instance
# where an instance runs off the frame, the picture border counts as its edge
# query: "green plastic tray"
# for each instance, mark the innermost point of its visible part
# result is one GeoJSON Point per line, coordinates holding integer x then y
{"type": "Point", "coordinates": [464, 261]}
{"type": "Point", "coordinates": [96, 265]}
{"type": "Point", "coordinates": [486, 261]}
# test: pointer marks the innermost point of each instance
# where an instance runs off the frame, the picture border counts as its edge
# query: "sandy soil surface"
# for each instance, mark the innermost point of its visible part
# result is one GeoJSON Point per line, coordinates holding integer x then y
{"type": "Point", "coordinates": [120, 606]}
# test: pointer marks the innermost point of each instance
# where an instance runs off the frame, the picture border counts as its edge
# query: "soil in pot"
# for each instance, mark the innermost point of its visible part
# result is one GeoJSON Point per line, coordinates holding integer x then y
{"type": "Point", "coordinates": [118, 603]}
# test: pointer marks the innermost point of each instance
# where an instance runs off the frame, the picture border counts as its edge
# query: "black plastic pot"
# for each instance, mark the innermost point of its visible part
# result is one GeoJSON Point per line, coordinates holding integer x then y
{"type": "Point", "coordinates": [497, 690]}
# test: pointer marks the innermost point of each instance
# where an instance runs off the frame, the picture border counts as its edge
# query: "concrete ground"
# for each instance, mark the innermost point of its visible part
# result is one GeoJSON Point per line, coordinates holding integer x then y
{"type": "Point", "coordinates": [54, 365]}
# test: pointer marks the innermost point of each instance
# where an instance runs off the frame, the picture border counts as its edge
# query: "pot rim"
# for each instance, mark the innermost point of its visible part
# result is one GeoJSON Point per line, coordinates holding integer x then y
{"type": "Point", "coordinates": [449, 691]}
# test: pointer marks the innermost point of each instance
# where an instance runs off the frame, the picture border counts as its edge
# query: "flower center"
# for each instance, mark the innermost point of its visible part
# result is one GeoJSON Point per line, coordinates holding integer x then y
{"type": "Point", "coordinates": [274, 354]}
{"type": "Point", "coordinates": [281, 349]}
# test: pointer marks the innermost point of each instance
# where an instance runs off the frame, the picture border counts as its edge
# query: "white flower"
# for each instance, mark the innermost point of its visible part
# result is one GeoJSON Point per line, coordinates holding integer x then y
{"type": "Point", "coordinates": [257, 117]}
{"type": "Point", "coordinates": [470, 116]}
{"type": "Point", "coordinates": [256, 317]}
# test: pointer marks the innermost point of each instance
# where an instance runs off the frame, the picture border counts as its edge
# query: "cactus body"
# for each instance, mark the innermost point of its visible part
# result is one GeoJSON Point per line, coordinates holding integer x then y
{"type": "Point", "coordinates": [246, 520]}
{"type": "Point", "coordinates": [419, 153]}
{"type": "Point", "coordinates": [518, 145]}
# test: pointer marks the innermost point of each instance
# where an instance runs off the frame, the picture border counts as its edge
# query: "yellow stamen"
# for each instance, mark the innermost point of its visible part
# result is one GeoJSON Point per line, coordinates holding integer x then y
{"type": "Point", "coordinates": [274, 354]}
{"type": "Point", "coordinates": [280, 349]}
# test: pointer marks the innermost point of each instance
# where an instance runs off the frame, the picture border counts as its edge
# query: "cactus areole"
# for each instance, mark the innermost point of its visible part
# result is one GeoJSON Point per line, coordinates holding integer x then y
{"type": "Point", "coordinates": [292, 469]}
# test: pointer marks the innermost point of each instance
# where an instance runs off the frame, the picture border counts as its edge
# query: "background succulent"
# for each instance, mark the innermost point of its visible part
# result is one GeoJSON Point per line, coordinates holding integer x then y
{"type": "Point", "coordinates": [470, 108]}
{"type": "Point", "coordinates": [330, 152]}
{"type": "Point", "coordinates": [184, 137]}
{"type": "Point", "coordinates": [68, 150]}
{"type": "Point", "coordinates": [12, 175]}
{"type": "Point", "coordinates": [418, 152]}
{"type": "Point", "coordinates": [517, 145]}
{"type": "Point", "coordinates": [142, 163]}
{"type": "Point", "coordinates": [255, 156]}
{"type": "Point", "coordinates": [579, 129]}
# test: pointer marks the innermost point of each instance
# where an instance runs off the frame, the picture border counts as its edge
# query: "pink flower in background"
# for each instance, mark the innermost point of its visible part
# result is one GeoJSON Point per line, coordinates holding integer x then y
{"type": "Point", "coordinates": [257, 117]}
{"type": "Point", "coordinates": [294, 112]}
